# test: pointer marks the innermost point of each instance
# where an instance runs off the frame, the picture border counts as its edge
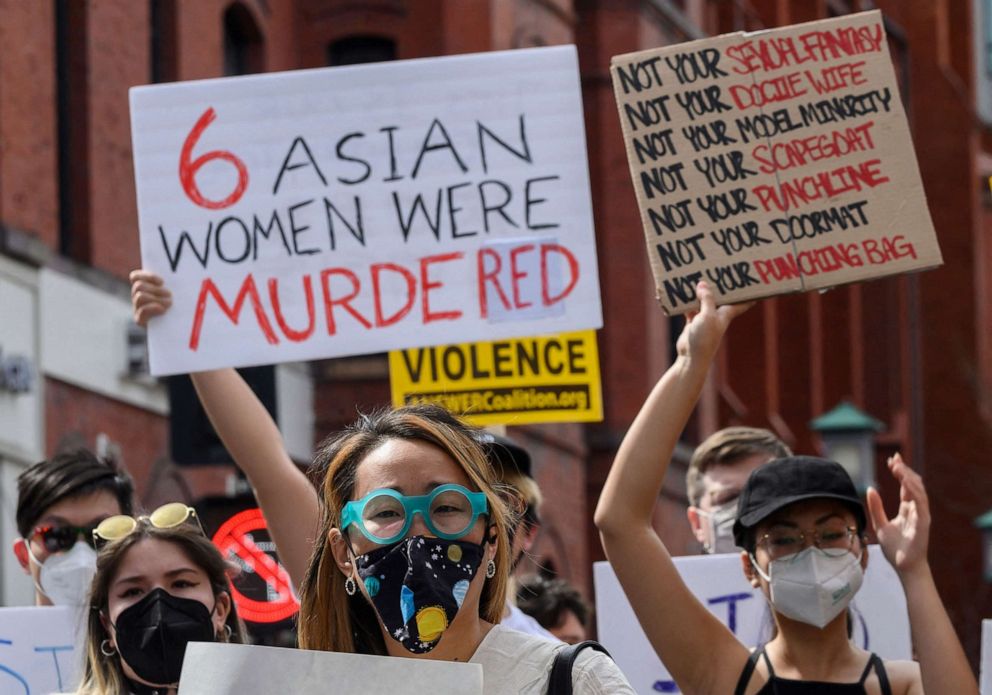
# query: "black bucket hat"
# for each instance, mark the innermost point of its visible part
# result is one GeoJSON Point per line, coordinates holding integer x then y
{"type": "Point", "coordinates": [783, 481]}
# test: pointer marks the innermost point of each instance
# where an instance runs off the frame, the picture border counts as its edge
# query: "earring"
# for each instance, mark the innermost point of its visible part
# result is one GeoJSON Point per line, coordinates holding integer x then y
{"type": "Point", "coordinates": [491, 569]}
{"type": "Point", "coordinates": [349, 586]}
{"type": "Point", "coordinates": [106, 649]}
{"type": "Point", "coordinates": [226, 635]}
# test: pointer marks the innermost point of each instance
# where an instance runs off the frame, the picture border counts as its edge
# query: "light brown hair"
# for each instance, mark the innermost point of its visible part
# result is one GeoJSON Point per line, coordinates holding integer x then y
{"type": "Point", "coordinates": [330, 619]}
{"type": "Point", "coordinates": [725, 447]}
{"type": "Point", "coordinates": [102, 675]}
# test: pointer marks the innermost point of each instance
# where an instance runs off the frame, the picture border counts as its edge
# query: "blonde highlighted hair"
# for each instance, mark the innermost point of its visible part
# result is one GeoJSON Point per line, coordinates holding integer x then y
{"type": "Point", "coordinates": [102, 674]}
{"type": "Point", "coordinates": [330, 619]}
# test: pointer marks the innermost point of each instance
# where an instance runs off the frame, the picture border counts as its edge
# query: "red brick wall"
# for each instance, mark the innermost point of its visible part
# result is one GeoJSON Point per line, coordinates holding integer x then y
{"type": "Point", "coordinates": [28, 139]}
{"type": "Point", "coordinates": [76, 416]}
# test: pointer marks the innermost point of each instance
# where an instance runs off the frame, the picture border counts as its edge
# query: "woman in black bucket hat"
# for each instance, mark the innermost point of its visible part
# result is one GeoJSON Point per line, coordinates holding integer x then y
{"type": "Point", "coordinates": [801, 525]}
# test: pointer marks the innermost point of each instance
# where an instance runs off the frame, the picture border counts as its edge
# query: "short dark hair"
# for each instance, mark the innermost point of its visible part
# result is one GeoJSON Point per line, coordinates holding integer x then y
{"type": "Point", "coordinates": [547, 601]}
{"type": "Point", "coordinates": [69, 474]}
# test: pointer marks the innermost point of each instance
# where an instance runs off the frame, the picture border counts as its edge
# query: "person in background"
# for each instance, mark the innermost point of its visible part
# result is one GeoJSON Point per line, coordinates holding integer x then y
{"type": "Point", "coordinates": [717, 471]}
{"type": "Point", "coordinates": [403, 549]}
{"type": "Point", "coordinates": [512, 465]}
{"type": "Point", "coordinates": [59, 503]}
{"type": "Point", "coordinates": [801, 524]}
{"type": "Point", "coordinates": [556, 605]}
{"type": "Point", "coordinates": [160, 584]}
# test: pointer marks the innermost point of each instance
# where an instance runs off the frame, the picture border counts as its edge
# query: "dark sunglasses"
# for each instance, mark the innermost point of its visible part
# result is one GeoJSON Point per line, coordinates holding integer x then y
{"type": "Point", "coordinates": [59, 539]}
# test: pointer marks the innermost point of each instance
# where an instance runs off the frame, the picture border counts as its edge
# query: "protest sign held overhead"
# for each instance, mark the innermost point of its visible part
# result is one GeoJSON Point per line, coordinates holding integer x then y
{"type": "Point", "coordinates": [773, 162]}
{"type": "Point", "coordinates": [506, 382]}
{"type": "Point", "coordinates": [354, 210]}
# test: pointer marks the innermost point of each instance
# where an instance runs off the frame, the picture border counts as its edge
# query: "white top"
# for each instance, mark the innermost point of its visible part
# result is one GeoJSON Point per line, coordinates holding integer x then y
{"type": "Point", "coordinates": [516, 619]}
{"type": "Point", "coordinates": [515, 663]}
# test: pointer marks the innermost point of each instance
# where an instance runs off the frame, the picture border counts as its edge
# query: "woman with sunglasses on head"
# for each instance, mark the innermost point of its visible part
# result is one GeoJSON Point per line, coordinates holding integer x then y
{"type": "Point", "coordinates": [160, 584]}
{"type": "Point", "coordinates": [411, 555]}
{"type": "Point", "coordinates": [801, 524]}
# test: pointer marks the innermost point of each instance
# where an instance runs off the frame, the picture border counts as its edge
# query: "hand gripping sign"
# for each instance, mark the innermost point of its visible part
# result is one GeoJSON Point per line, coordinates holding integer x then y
{"type": "Point", "coordinates": [773, 162]}
{"type": "Point", "coordinates": [360, 209]}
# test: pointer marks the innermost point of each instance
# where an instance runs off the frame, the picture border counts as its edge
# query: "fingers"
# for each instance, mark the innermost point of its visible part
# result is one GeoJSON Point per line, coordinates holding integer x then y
{"type": "Point", "coordinates": [707, 299]}
{"type": "Point", "coordinates": [149, 296]}
{"type": "Point", "coordinates": [876, 511]}
{"type": "Point", "coordinates": [911, 488]}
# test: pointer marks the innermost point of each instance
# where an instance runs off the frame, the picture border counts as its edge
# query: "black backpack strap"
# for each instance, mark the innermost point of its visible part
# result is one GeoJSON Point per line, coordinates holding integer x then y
{"type": "Point", "coordinates": [560, 681]}
{"type": "Point", "coordinates": [745, 678]}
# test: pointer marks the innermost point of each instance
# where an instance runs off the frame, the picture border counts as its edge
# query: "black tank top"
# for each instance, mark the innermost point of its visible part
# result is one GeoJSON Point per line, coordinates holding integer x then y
{"type": "Point", "coordinates": [783, 686]}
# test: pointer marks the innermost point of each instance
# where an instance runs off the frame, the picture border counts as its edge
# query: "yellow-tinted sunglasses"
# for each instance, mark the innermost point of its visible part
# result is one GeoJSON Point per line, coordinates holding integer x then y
{"type": "Point", "coordinates": [169, 515]}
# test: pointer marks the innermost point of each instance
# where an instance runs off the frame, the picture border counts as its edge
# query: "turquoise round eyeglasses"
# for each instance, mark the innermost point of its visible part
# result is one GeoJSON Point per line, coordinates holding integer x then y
{"type": "Point", "coordinates": [384, 516]}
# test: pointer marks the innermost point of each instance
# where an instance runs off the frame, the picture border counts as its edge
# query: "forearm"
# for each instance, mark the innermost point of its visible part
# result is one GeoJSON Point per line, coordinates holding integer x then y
{"type": "Point", "coordinates": [943, 665]}
{"type": "Point", "coordinates": [250, 435]}
{"type": "Point", "coordinates": [639, 469]}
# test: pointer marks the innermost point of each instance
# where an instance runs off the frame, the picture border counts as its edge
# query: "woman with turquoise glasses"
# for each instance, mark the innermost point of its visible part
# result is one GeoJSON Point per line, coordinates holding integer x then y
{"type": "Point", "coordinates": [407, 530]}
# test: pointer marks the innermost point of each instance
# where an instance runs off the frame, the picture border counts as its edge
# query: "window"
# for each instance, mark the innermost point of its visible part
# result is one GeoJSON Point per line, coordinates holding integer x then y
{"type": "Point", "coordinates": [162, 18]}
{"type": "Point", "coordinates": [72, 116]}
{"type": "Point", "coordinates": [361, 49]}
{"type": "Point", "coordinates": [244, 49]}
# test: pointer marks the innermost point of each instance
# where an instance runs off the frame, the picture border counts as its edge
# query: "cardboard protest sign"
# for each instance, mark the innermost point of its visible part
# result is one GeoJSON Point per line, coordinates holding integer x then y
{"type": "Point", "coordinates": [881, 621]}
{"type": "Point", "coordinates": [773, 162]}
{"type": "Point", "coordinates": [38, 650]}
{"type": "Point", "coordinates": [526, 380]}
{"type": "Point", "coordinates": [239, 669]}
{"type": "Point", "coordinates": [360, 209]}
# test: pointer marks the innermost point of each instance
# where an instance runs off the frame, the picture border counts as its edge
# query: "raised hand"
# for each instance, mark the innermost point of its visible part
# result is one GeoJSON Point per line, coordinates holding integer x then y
{"type": "Point", "coordinates": [704, 329]}
{"type": "Point", "coordinates": [904, 538]}
{"type": "Point", "coordinates": [149, 297]}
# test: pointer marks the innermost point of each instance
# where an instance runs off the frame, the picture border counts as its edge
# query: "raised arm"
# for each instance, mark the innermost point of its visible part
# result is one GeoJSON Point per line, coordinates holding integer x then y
{"type": "Point", "coordinates": [286, 497]}
{"type": "Point", "coordinates": [702, 655]}
{"type": "Point", "coordinates": [904, 540]}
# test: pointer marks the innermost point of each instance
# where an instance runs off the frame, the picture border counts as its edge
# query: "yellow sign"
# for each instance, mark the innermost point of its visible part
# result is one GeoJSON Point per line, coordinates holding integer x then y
{"type": "Point", "coordinates": [551, 378]}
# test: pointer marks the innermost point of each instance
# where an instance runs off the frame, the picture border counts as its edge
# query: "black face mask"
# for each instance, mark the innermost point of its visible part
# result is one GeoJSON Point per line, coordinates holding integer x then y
{"type": "Point", "coordinates": [417, 586]}
{"type": "Point", "coordinates": [153, 633]}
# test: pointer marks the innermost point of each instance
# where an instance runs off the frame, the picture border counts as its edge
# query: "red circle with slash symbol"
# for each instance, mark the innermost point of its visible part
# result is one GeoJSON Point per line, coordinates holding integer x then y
{"type": "Point", "coordinates": [236, 541]}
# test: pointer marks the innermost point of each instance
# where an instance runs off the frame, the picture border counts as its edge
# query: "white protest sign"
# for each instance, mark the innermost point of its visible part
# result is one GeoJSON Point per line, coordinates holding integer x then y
{"type": "Point", "coordinates": [239, 669]}
{"type": "Point", "coordinates": [362, 209]}
{"type": "Point", "coordinates": [38, 653]}
{"type": "Point", "coordinates": [986, 664]}
{"type": "Point", "coordinates": [772, 162]}
{"type": "Point", "coordinates": [881, 622]}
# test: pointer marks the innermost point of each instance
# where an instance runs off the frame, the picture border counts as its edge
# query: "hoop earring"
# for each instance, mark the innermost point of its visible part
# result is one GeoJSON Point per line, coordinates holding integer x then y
{"type": "Point", "coordinates": [106, 649]}
{"type": "Point", "coordinates": [349, 586]}
{"type": "Point", "coordinates": [226, 635]}
{"type": "Point", "coordinates": [491, 569]}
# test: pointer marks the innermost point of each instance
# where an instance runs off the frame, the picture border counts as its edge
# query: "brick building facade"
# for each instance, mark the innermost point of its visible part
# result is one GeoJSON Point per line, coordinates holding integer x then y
{"type": "Point", "coordinates": [915, 352]}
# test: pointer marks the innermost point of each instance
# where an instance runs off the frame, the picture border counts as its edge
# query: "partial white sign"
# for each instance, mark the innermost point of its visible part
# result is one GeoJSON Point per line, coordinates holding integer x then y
{"type": "Point", "coordinates": [986, 665]}
{"type": "Point", "coordinates": [38, 653]}
{"type": "Point", "coordinates": [361, 209]}
{"type": "Point", "coordinates": [239, 669]}
{"type": "Point", "coordinates": [881, 622]}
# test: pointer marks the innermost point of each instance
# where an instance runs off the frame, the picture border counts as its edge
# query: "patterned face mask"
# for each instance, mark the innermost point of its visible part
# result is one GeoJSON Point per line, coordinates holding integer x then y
{"type": "Point", "coordinates": [417, 586]}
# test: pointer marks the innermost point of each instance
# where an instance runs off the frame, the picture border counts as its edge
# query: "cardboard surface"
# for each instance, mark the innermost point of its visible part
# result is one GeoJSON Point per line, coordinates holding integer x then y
{"type": "Point", "coordinates": [361, 209]}
{"type": "Point", "coordinates": [773, 162]}
{"type": "Point", "coordinates": [881, 618]}
{"type": "Point", "coordinates": [509, 382]}
{"type": "Point", "coordinates": [239, 669]}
